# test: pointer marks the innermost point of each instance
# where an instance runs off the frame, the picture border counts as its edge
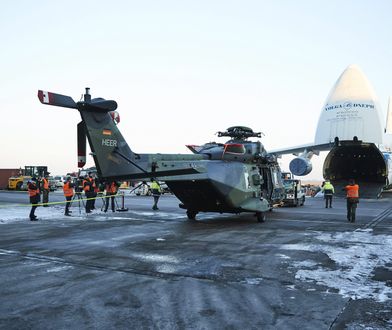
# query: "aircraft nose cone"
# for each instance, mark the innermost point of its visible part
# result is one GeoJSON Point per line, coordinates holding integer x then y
{"type": "Point", "coordinates": [351, 109]}
{"type": "Point", "coordinates": [351, 85]}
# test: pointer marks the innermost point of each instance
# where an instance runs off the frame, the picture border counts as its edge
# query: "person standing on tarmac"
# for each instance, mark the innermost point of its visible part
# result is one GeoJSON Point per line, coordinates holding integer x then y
{"type": "Point", "coordinates": [111, 190]}
{"type": "Point", "coordinates": [352, 195]}
{"type": "Point", "coordinates": [156, 193]}
{"type": "Point", "coordinates": [89, 192]}
{"type": "Point", "coordinates": [34, 194]}
{"type": "Point", "coordinates": [45, 189]}
{"type": "Point", "coordinates": [95, 188]}
{"type": "Point", "coordinates": [328, 191]}
{"type": "Point", "coordinates": [68, 193]}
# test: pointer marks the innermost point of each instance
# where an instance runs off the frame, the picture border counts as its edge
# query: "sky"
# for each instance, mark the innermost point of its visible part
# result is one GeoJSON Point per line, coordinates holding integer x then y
{"type": "Point", "coordinates": [182, 70]}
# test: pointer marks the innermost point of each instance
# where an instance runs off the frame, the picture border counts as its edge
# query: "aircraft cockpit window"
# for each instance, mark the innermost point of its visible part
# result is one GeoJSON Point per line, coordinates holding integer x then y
{"type": "Point", "coordinates": [238, 149]}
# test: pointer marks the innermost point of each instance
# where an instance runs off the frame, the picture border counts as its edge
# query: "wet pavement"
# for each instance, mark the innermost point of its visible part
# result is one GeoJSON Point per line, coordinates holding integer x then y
{"type": "Point", "coordinates": [304, 268]}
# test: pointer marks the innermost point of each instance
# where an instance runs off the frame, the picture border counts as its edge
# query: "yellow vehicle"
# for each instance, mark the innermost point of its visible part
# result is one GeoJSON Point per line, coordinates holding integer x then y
{"type": "Point", "coordinates": [18, 182]}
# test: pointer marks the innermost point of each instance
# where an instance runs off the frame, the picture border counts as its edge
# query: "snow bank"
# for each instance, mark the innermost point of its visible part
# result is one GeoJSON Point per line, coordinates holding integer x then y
{"type": "Point", "coordinates": [355, 255]}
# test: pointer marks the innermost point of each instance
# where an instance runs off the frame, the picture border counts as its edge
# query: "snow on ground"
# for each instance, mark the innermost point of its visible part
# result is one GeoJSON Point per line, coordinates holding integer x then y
{"type": "Point", "coordinates": [17, 213]}
{"type": "Point", "coordinates": [355, 255]}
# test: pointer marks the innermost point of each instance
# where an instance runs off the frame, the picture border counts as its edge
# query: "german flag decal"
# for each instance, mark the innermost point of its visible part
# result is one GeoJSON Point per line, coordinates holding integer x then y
{"type": "Point", "coordinates": [107, 132]}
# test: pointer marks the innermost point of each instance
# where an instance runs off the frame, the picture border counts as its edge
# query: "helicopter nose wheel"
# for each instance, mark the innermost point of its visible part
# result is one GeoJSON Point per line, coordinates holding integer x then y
{"type": "Point", "coordinates": [260, 216]}
{"type": "Point", "coordinates": [191, 214]}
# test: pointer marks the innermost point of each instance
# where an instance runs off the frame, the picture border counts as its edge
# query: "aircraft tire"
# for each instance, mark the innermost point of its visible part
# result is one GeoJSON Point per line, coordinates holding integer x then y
{"type": "Point", "coordinates": [260, 216]}
{"type": "Point", "coordinates": [191, 214]}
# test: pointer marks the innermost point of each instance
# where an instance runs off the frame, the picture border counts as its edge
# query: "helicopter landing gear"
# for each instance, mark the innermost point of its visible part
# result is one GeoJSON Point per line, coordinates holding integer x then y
{"type": "Point", "coordinates": [191, 214]}
{"type": "Point", "coordinates": [260, 216]}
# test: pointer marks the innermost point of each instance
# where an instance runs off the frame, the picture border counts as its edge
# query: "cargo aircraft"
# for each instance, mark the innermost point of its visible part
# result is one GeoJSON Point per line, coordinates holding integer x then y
{"type": "Point", "coordinates": [233, 177]}
{"type": "Point", "coordinates": [351, 128]}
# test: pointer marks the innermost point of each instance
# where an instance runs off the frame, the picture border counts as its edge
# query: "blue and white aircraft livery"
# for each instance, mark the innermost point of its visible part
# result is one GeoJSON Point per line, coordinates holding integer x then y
{"type": "Point", "coordinates": [351, 127]}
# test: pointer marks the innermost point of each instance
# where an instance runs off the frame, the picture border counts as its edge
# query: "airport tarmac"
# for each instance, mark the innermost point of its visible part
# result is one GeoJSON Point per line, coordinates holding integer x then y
{"type": "Point", "coordinates": [304, 268]}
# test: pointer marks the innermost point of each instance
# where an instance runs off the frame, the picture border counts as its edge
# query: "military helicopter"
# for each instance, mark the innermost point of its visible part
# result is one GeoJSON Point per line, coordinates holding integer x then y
{"type": "Point", "coordinates": [232, 177]}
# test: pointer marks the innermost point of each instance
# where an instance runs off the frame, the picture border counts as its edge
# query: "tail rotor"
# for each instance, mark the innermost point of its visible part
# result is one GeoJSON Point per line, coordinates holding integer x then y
{"type": "Point", "coordinates": [88, 104]}
{"type": "Point", "coordinates": [57, 100]}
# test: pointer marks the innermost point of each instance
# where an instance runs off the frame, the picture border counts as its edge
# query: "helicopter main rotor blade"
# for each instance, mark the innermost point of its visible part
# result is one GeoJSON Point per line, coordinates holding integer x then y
{"type": "Point", "coordinates": [56, 99]}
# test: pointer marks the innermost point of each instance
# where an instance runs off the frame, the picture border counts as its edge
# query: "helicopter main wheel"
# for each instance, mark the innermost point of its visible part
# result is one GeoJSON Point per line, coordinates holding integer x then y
{"type": "Point", "coordinates": [191, 214]}
{"type": "Point", "coordinates": [260, 216]}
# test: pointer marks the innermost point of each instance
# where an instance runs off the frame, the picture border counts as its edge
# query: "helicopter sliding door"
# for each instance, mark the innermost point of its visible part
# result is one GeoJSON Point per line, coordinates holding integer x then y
{"type": "Point", "coordinates": [272, 186]}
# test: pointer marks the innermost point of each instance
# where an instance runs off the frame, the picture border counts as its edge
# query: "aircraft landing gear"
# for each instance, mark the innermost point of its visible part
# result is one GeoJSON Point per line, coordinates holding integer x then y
{"type": "Point", "coordinates": [191, 214]}
{"type": "Point", "coordinates": [260, 216]}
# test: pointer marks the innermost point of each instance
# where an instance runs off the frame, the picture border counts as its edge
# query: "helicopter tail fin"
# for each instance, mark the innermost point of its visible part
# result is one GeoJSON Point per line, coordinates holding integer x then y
{"type": "Point", "coordinates": [112, 155]}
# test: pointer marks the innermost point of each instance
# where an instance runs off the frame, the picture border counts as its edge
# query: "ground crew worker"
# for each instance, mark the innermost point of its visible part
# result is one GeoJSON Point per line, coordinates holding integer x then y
{"type": "Point", "coordinates": [352, 195]}
{"type": "Point", "coordinates": [34, 195]}
{"type": "Point", "coordinates": [45, 189]}
{"type": "Point", "coordinates": [111, 190]}
{"type": "Point", "coordinates": [328, 191]}
{"type": "Point", "coordinates": [95, 189]}
{"type": "Point", "coordinates": [88, 191]}
{"type": "Point", "coordinates": [68, 193]}
{"type": "Point", "coordinates": [156, 193]}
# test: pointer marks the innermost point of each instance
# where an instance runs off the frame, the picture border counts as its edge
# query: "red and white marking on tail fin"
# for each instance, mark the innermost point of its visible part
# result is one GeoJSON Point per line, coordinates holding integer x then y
{"type": "Point", "coordinates": [44, 97]}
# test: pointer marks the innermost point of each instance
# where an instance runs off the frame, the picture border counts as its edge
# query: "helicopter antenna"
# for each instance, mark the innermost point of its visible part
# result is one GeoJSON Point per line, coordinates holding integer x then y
{"type": "Point", "coordinates": [87, 95]}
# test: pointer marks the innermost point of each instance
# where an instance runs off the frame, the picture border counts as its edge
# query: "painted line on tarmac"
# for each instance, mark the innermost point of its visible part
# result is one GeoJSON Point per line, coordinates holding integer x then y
{"type": "Point", "coordinates": [381, 217]}
{"type": "Point", "coordinates": [343, 221]}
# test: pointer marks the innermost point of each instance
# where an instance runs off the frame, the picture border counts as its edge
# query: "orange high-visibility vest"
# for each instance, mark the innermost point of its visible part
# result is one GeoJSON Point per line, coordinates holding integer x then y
{"type": "Point", "coordinates": [111, 188]}
{"type": "Point", "coordinates": [352, 191]}
{"type": "Point", "coordinates": [95, 186]}
{"type": "Point", "coordinates": [46, 183]}
{"type": "Point", "coordinates": [87, 186]}
{"type": "Point", "coordinates": [68, 190]}
{"type": "Point", "coordinates": [32, 190]}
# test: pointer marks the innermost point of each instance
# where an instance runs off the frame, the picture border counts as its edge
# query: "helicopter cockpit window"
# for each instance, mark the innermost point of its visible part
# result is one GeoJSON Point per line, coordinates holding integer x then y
{"type": "Point", "coordinates": [238, 149]}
